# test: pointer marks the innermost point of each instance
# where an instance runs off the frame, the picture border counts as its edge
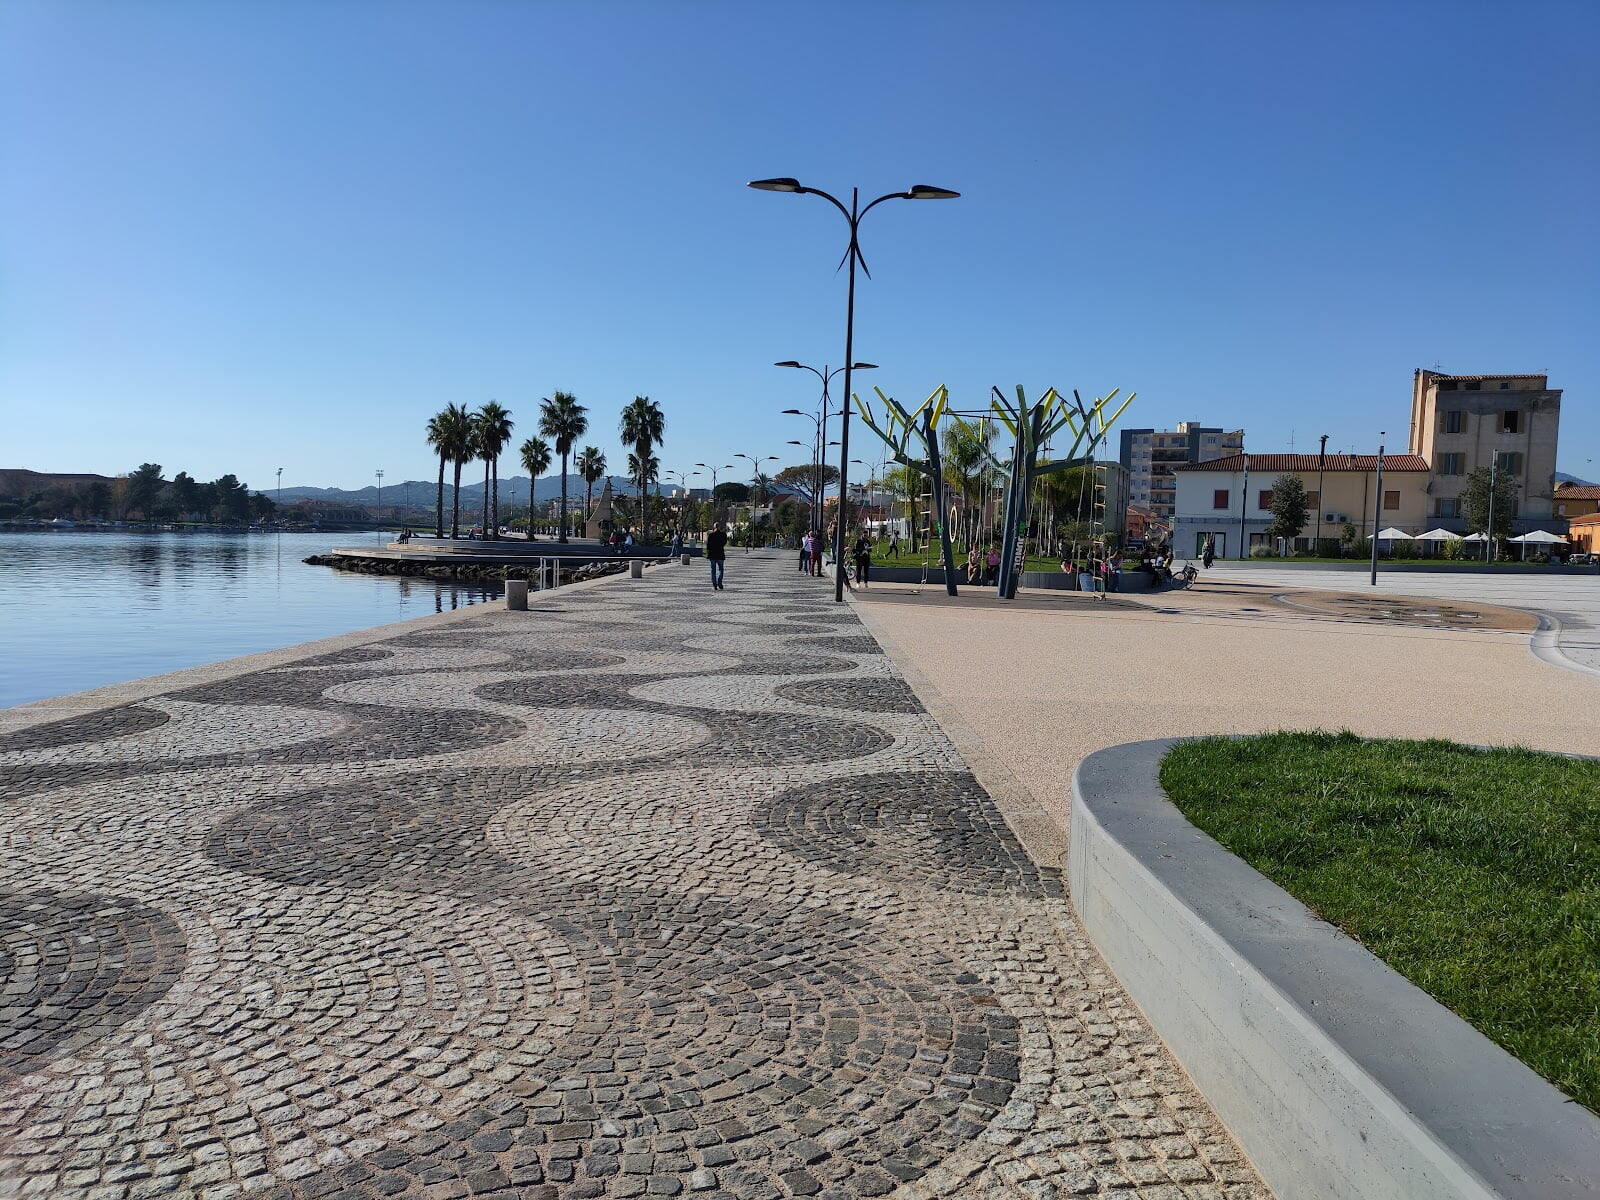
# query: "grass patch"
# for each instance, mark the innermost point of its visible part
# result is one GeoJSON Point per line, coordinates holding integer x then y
{"type": "Point", "coordinates": [1474, 873]}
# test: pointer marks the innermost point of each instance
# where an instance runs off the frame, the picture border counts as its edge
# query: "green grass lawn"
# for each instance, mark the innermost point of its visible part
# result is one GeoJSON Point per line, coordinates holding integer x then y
{"type": "Point", "coordinates": [882, 558]}
{"type": "Point", "coordinates": [1474, 873]}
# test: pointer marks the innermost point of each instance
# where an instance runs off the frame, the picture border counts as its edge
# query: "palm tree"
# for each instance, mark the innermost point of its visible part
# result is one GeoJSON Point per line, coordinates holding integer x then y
{"type": "Point", "coordinates": [454, 427]}
{"type": "Point", "coordinates": [643, 427]}
{"type": "Point", "coordinates": [591, 466]}
{"type": "Point", "coordinates": [493, 424]}
{"type": "Point", "coordinates": [535, 461]}
{"type": "Point", "coordinates": [439, 439]}
{"type": "Point", "coordinates": [565, 420]}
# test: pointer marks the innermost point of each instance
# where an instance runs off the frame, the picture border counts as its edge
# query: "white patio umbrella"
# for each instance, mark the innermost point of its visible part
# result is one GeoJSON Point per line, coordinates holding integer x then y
{"type": "Point", "coordinates": [1392, 534]}
{"type": "Point", "coordinates": [1438, 535]}
{"type": "Point", "coordinates": [1538, 538]}
{"type": "Point", "coordinates": [1475, 537]}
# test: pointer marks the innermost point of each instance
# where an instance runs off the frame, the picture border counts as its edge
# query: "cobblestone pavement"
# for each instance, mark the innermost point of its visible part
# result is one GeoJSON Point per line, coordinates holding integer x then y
{"type": "Point", "coordinates": [653, 891]}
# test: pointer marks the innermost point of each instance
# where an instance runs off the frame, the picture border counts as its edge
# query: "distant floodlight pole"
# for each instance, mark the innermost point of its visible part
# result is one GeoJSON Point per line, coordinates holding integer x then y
{"type": "Point", "coordinates": [379, 473]}
{"type": "Point", "coordinates": [853, 215]}
{"type": "Point", "coordinates": [280, 495]}
{"type": "Point", "coordinates": [1377, 510]}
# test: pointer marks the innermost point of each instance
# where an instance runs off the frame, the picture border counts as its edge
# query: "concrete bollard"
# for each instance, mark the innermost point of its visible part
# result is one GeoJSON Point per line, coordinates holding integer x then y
{"type": "Point", "coordinates": [636, 568]}
{"type": "Point", "coordinates": [685, 559]}
{"type": "Point", "coordinates": [517, 595]}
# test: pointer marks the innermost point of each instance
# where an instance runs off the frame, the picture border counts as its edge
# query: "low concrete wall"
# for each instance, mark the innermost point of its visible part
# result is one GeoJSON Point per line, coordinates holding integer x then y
{"type": "Point", "coordinates": [1055, 581]}
{"type": "Point", "coordinates": [1444, 566]}
{"type": "Point", "coordinates": [1338, 1077]}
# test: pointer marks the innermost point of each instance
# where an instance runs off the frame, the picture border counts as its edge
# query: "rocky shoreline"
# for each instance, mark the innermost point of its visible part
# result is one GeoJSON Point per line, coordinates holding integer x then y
{"type": "Point", "coordinates": [465, 572]}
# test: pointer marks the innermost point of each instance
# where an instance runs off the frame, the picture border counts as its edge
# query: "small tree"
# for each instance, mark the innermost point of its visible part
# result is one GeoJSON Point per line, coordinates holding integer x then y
{"type": "Point", "coordinates": [1475, 501]}
{"type": "Point", "coordinates": [1289, 513]}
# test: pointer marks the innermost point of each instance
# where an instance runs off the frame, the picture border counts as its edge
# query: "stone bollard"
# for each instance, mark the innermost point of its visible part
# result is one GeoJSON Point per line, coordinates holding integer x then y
{"type": "Point", "coordinates": [636, 568]}
{"type": "Point", "coordinates": [685, 558]}
{"type": "Point", "coordinates": [517, 595]}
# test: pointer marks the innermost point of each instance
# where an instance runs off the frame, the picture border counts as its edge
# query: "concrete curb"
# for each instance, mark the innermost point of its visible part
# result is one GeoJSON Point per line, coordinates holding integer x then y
{"type": "Point", "coordinates": [1337, 1076]}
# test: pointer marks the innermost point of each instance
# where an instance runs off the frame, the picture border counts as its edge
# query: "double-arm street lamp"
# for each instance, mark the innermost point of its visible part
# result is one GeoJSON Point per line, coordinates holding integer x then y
{"type": "Point", "coordinates": [821, 421]}
{"type": "Point", "coordinates": [714, 470]}
{"type": "Point", "coordinates": [683, 478]}
{"type": "Point", "coordinates": [755, 467]}
{"type": "Point", "coordinates": [853, 215]}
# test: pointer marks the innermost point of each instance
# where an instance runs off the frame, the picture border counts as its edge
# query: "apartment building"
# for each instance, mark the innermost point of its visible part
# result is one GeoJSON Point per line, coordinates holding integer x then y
{"type": "Point", "coordinates": [1230, 499]}
{"type": "Point", "coordinates": [1462, 422]}
{"type": "Point", "coordinates": [1149, 455]}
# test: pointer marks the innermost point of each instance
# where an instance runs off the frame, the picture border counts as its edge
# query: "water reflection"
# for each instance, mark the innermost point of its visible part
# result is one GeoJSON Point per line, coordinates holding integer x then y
{"type": "Point", "coordinates": [140, 604]}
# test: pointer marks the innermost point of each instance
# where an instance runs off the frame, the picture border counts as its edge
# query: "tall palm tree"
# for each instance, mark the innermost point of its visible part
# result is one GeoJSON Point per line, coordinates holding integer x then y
{"type": "Point", "coordinates": [564, 420]}
{"type": "Point", "coordinates": [454, 426]}
{"type": "Point", "coordinates": [646, 470]}
{"type": "Point", "coordinates": [591, 466]}
{"type": "Point", "coordinates": [535, 461]}
{"type": "Point", "coordinates": [643, 427]}
{"type": "Point", "coordinates": [493, 424]}
{"type": "Point", "coordinates": [439, 439]}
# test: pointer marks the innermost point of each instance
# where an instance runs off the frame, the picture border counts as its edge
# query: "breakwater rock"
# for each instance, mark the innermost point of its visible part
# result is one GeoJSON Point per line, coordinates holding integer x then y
{"type": "Point", "coordinates": [463, 572]}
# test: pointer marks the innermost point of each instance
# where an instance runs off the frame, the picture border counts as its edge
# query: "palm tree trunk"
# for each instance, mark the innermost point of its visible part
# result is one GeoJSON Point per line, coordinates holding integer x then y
{"type": "Point", "coordinates": [438, 508]}
{"type": "Point", "coordinates": [588, 501]}
{"type": "Point", "coordinates": [563, 536]}
{"type": "Point", "coordinates": [485, 517]}
{"type": "Point", "coordinates": [455, 504]}
{"type": "Point", "coordinates": [495, 463]}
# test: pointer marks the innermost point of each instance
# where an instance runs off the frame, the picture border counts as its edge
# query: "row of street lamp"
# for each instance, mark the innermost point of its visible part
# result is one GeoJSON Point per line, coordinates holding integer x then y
{"type": "Point", "coordinates": [853, 215]}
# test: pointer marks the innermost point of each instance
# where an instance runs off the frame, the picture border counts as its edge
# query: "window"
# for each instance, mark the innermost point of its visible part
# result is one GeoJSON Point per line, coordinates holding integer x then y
{"type": "Point", "coordinates": [1450, 464]}
{"type": "Point", "coordinates": [1452, 421]}
{"type": "Point", "coordinates": [1219, 498]}
{"type": "Point", "coordinates": [1313, 499]}
{"type": "Point", "coordinates": [1447, 385]}
{"type": "Point", "coordinates": [1264, 500]}
{"type": "Point", "coordinates": [1561, 510]}
{"type": "Point", "coordinates": [1505, 387]}
{"type": "Point", "coordinates": [1511, 421]}
{"type": "Point", "coordinates": [1447, 506]}
{"type": "Point", "coordinates": [1391, 501]}
{"type": "Point", "coordinates": [1510, 462]}
{"type": "Point", "coordinates": [1211, 440]}
{"type": "Point", "coordinates": [1474, 386]}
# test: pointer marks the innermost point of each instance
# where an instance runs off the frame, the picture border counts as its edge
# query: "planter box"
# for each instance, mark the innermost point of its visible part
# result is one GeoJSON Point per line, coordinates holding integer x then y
{"type": "Point", "coordinates": [1338, 1077]}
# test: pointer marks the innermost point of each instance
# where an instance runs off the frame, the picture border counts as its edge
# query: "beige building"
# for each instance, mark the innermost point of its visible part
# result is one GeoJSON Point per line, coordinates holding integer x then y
{"type": "Point", "coordinates": [1460, 422]}
{"type": "Point", "coordinates": [1230, 499]}
{"type": "Point", "coordinates": [1576, 500]}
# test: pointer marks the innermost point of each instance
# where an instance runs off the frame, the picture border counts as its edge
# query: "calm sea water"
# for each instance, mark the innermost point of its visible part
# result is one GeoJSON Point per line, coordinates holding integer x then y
{"type": "Point", "coordinates": [79, 610]}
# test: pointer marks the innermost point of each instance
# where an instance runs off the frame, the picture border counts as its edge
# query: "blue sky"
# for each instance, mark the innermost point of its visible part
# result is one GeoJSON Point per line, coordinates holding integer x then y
{"type": "Point", "coordinates": [237, 236]}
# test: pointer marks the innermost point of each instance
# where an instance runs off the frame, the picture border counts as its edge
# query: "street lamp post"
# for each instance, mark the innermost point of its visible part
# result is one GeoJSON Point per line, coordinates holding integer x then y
{"type": "Point", "coordinates": [755, 466]}
{"type": "Point", "coordinates": [280, 496]}
{"type": "Point", "coordinates": [1494, 467]}
{"type": "Point", "coordinates": [1377, 510]}
{"type": "Point", "coordinates": [1322, 463]}
{"type": "Point", "coordinates": [683, 478]}
{"type": "Point", "coordinates": [822, 421]}
{"type": "Point", "coordinates": [714, 470]}
{"type": "Point", "coordinates": [854, 215]}
{"type": "Point", "coordinates": [380, 494]}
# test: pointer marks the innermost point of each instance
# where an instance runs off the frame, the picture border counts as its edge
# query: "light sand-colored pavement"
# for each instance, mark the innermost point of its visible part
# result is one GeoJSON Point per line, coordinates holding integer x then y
{"type": "Point", "coordinates": [1573, 600]}
{"type": "Point", "coordinates": [1047, 679]}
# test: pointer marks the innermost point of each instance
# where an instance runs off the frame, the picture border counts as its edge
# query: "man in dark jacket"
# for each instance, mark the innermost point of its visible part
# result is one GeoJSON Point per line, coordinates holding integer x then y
{"type": "Point", "coordinates": [716, 553]}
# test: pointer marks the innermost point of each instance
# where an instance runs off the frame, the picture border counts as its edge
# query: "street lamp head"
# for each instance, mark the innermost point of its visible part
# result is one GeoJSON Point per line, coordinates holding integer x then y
{"type": "Point", "coordinates": [787, 363]}
{"type": "Point", "coordinates": [784, 184]}
{"type": "Point", "coordinates": [792, 442]}
{"type": "Point", "coordinates": [863, 366]}
{"type": "Point", "coordinates": [922, 191]}
{"type": "Point", "coordinates": [794, 412]}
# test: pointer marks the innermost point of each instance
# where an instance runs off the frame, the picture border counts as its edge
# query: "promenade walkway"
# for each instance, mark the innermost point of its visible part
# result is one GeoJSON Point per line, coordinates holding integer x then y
{"type": "Point", "coordinates": [650, 891]}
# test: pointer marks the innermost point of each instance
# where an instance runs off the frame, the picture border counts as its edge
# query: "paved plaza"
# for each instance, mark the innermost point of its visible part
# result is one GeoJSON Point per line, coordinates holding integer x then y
{"type": "Point", "coordinates": [652, 891]}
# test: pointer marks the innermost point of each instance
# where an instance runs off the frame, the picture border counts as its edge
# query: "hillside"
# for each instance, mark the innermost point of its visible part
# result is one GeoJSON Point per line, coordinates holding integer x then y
{"type": "Point", "coordinates": [18, 481]}
{"type": "Point", "coordinates": [419, 493]}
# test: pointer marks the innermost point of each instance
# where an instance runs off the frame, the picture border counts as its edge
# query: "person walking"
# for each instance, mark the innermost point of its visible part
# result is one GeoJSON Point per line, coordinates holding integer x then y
{"type": "Point", "coordinates": [863, 556]}
{"type": "Point", "coordinates": [716, 554]}
{"type": "Point", "coordinates": [805, 552]}
{"type": "Point", "coordinates": [816, 553]}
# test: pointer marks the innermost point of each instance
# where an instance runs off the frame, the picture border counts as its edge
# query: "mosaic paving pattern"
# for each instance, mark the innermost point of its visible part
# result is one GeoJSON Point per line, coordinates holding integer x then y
{"type": "Point", "coordinates": [656, 891]}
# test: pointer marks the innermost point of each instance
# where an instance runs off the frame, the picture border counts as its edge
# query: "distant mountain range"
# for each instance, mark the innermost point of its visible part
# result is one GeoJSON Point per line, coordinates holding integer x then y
{"type": "Point", "coordinates": [1561, 477]}
{"type": "Point", "coordinates": [421, 493]}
